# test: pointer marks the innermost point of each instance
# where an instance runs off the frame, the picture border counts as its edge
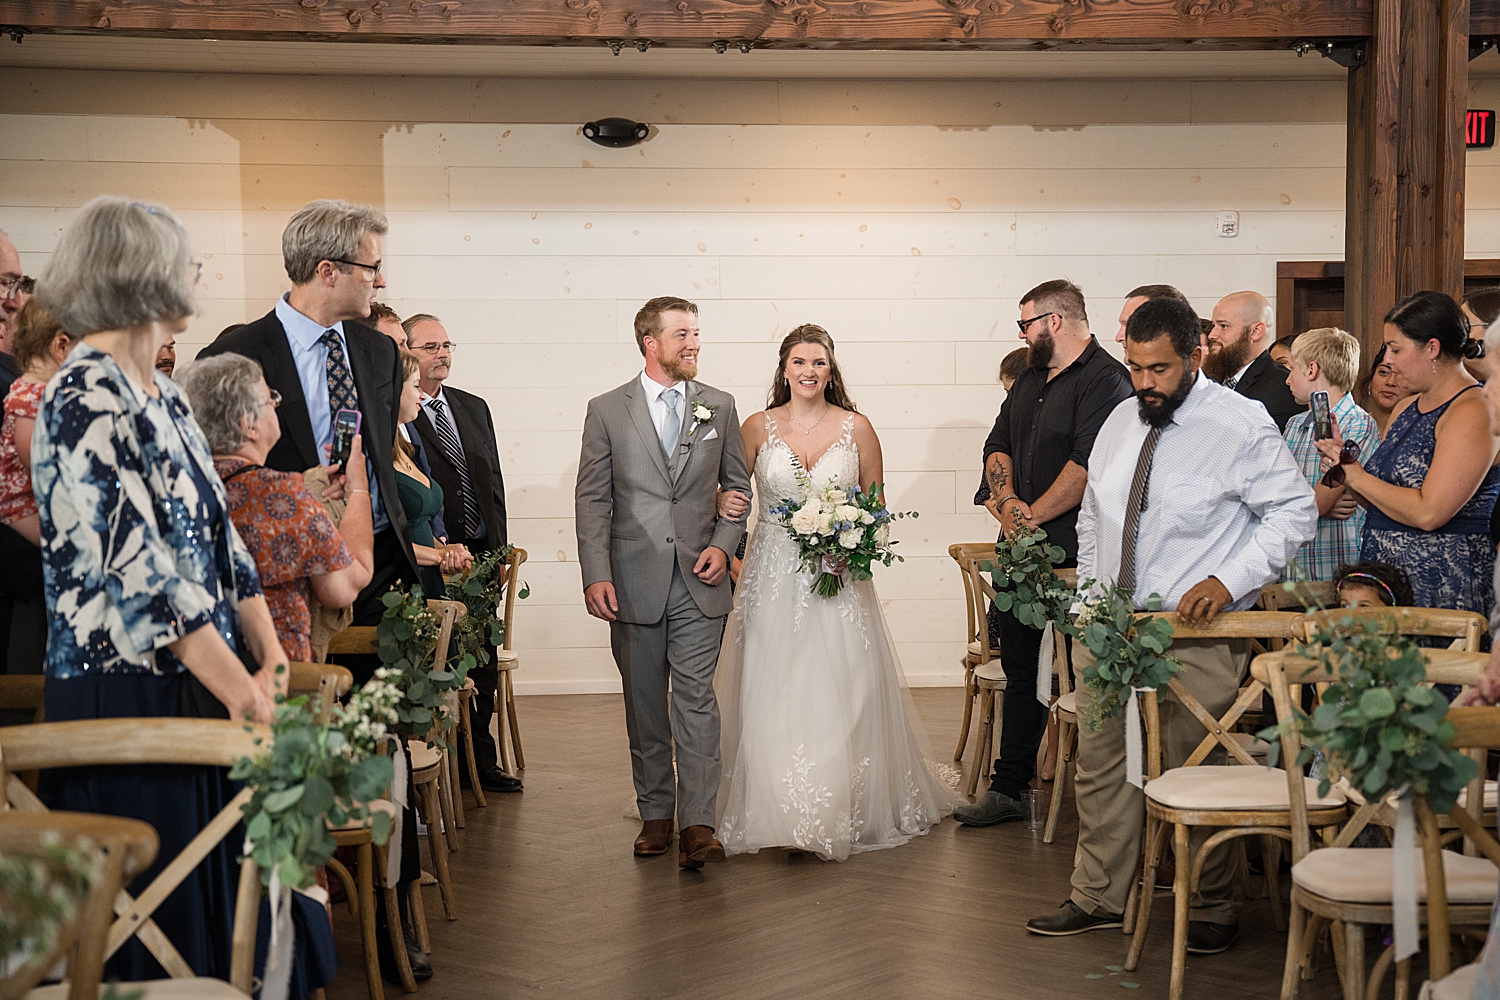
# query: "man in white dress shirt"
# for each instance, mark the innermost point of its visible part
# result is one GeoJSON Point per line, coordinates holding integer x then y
{"type": "Point", "coordinates": [1221, 507]}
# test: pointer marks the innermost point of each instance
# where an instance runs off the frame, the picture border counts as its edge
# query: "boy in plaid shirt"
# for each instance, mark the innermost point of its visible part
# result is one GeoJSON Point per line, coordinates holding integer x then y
{"type": "Point", "coordinates": [1328, 360]}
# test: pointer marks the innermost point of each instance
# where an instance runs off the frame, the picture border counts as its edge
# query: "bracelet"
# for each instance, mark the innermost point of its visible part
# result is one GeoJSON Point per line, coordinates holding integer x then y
{"type": "Point", "coordinates": [352, 492]}
{"type": "Point", "coordinates": [1008, 497]}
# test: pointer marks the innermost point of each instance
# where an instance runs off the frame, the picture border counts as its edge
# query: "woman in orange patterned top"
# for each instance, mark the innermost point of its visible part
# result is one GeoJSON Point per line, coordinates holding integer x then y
{"type": "Point", "coordinates": [41, 346]}
{"type": "Point", "coordinates": [298, 551]}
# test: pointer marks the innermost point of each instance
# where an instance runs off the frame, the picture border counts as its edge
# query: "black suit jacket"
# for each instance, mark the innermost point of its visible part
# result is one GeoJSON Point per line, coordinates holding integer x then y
{"type": "Point", "coordinates": [376, 367]}
{"type": "Point", "coordinates": [476, 432]}
{"type": "Point", "coordinates": [1265, 380]}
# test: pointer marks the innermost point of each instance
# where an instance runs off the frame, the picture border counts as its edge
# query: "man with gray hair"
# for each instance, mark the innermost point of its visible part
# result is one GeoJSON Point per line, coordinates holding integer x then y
{"type": "Point", "coordinates": [321, 359]}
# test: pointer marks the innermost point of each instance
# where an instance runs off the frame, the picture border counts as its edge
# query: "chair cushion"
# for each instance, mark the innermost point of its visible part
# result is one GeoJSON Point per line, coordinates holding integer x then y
{"type": "Point", "coordinates": [422, 755]}
{"type": "Point", "coordinates": [153, 989]}
{"type": "Point", "coordinates": [990, 675]}
{"type": "Point", "coordinates": [507, 659]}
{"type": "Point", "coordinates": [974, 650]}
{"type": "Point", "coordinates": [1068, 703]}
{"type": "Point", "coordinates": [1231, 786]}
{"type": "Point", "coordinates": [1363, 875]}
{"type": "Point", "coordinates": [1251, 744]}
{"type": "Point", "coordinates": [1457, 986]}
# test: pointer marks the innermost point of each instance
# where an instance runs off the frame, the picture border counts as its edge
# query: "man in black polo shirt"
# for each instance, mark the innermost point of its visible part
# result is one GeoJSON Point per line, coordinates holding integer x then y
{"type": "Point", "coordinates": [1036, 465]}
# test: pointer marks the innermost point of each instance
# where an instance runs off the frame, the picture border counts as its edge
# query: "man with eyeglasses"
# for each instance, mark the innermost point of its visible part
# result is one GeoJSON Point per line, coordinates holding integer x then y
{"type": "Point", "coordinates": [458, 435]}
{"type": "Point", "coordinates": [14, 291]}
{"type": "Point", "coordinates": [1036, 466]}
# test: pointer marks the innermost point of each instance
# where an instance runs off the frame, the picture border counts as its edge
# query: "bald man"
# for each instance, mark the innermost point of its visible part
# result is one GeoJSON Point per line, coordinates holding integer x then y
{"type": "Point", "coordinates": [1239, 355]}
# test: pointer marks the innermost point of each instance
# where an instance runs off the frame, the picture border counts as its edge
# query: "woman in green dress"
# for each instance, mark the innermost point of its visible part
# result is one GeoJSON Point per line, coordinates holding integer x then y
{"type": "Point", "coordinates": [422, 497]}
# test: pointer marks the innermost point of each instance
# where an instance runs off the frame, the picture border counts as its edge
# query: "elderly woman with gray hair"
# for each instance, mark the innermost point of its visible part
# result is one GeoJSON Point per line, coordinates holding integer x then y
{"type": "Point", "coordinates": [298, 551]}
{"type": "Point", "coordinates": [154, 606]}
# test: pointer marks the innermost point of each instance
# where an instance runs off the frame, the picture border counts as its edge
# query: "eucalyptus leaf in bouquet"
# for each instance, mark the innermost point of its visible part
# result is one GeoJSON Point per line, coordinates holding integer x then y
{"type": "Point", "coordinates": [1130, 650]}
{"type": "Point", "coordinates": [840, 532]}
{"type": "Point", "coordinates": [1026, 583]}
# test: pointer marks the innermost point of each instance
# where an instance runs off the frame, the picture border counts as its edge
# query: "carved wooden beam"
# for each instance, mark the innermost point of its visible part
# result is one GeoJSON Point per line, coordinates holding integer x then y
{"type": "Point", "coordinates": [985, 24]}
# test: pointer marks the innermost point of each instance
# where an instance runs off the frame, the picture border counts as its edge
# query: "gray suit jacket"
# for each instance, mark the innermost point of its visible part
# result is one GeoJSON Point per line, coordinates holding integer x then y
{"type": "Point", "coordinates": [634, 517]}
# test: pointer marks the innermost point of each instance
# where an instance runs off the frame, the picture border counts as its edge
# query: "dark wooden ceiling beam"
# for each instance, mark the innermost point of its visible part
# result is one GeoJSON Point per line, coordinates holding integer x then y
{"type": "Point", "coordinates": [1018, 24]}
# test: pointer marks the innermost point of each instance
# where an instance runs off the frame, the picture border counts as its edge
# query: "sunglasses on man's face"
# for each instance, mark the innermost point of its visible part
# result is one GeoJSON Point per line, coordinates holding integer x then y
{"type": "Point", "coordinates": [1334, 477]}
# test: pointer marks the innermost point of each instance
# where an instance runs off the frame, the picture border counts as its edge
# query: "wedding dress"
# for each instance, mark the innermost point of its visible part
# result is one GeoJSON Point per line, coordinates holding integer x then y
{"type": "Point", "coordinates": [823, 751]}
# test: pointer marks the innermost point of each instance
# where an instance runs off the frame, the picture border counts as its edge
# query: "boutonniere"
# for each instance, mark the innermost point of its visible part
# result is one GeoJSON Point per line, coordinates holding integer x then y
{"type": "Point", "coordinates": [703, 413]}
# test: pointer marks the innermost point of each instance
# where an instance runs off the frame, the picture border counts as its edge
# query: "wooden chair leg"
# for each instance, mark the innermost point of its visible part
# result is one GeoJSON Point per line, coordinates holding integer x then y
{"type": "Point", "coordinates": [432, 811]}
{"type": "Point", "coordinates": [986, 705]}
{"type": "Point", "coordinates": [1154, 841]}
{"type": "Point", "coordinates": [515, 726]}
{"type": "Point", "coordinates": [419, 915]}
{"type": "Point", "coordinates": [1270, 852]}
{"type": "Point", "coordinates": [365, 887]}
{"type": "Point", "coordinates": [1291, 973]}
{"type": "Point", "coordinates": [1382, 964]}
{"type": "Point", "coordinates": [1182, 894]}
{"type": "Point", "coordinates": [963, 733]}
{"type": "Point", "coordinates": [393, 922]}
{"type": "Point", "coordinates": [454, 787]}
{"type": "Point", "coordinates": [499, 716]}
{"type": "Point", "coordinates": [1403, 979]}
{"type": "Point", "coordinates": [1060, 778]}
{"type": "Point", "coordinates": [466, 732]}
{"type": "Point", "coordinates": [445, 803]}
{"type": "Point", "coordinates": [1354, 968]}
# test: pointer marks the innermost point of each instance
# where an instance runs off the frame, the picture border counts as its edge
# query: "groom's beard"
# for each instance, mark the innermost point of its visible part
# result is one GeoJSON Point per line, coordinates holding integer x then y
{"type": "Point", "coordinates": [680, 370]}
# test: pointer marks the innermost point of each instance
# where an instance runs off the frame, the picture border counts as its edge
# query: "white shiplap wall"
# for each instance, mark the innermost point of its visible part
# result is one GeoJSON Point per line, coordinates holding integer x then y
{"type": "Point", "coordinates": [905, 217]}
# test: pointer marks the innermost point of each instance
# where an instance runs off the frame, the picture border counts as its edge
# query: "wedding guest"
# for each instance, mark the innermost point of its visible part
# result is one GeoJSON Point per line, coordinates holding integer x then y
{"type": "Point", "coordinates": [1139, 295]}
{"type": "Point", "coordinates": [1487, 691]}
{"type": "Point", "coordinates": [14, 292]}
{"type": "Point", "coordinates": [1281, 350]}
{"type": "Point", "coordinates": [166, 358]}
{"type": "Point", "coordinates": [1481, 308]}
{"type": "Point", "coordinates": [1036, 466]}
{"type": "Point", "coordinates": [321, 359]}
{"type": "Point", "coordinates": [151, 596]}
{"type": "Point", "coordinates": [1432, 484]}
{"type": "Point", "coordinates": [1327, 360]}
{"type": "Point", "coordinates": [1011, 367]}
{"type": "Point", "coordinates": [457, 432]}
{"type": "Point", "coordinates": [421, 496]}
{"type": "Point", "coordinates": [41, 345]}
{"type": "Point", "coordinates": [383, 319]}
{"type": "Point", "coordinates": [1238, 355]}
{"type": "Point", "coordinates": [1211, 526]}
{"type": "Point", "coordinates": [1380, 390]}
{"type": "Point", "coordinates": [299, 553]}
{"type": "Point", "coordinates": [1372, 585]}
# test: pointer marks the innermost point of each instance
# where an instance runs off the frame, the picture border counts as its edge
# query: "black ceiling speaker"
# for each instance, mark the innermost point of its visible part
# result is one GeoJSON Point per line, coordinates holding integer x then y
{"type": "Point", "coordinates": [617, 133]}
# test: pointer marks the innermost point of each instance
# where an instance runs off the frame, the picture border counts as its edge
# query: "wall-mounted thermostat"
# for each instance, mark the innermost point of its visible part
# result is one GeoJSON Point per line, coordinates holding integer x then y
{"type": "Point", "coordinates": [1227, 224]}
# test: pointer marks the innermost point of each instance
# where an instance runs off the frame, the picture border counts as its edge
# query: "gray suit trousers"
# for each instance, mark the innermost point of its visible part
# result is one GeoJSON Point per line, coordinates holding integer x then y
{"type": "Point", "coordinates": [1112, 812]}
{"type": "Point", "coordinates": [681, 649]}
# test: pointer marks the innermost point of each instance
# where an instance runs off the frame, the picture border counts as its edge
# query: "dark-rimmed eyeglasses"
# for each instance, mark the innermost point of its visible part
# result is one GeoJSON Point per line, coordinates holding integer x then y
{"type": "Point", "coordinates": [374, 269]}
{"type": "Point", "coordinates": [1334, 477]}
{"type": "Point", "coordinates": [1024, 324]}
{"type": "Point", "coordinates": [446, 345]}
{"type": "Point", "coordinates": [11, 287]}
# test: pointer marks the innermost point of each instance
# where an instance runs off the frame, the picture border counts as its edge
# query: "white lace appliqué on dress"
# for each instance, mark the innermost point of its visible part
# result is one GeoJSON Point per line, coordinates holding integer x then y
{"type": "Point", "coordinates": [822, 751]}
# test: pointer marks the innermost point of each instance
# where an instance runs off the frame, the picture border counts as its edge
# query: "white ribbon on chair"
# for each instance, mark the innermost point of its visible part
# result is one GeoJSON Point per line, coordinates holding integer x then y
{"type": "Point", "coordinates": [278, 971]}
{"type": "Point", "coordinates": [1404, 879]}
{"type": "Point", "coordinates": [398, 799]}
{"type": "Point", "coordinates": [1044, 665]}
{"type": "Point", "coordinates": [1135, 748]}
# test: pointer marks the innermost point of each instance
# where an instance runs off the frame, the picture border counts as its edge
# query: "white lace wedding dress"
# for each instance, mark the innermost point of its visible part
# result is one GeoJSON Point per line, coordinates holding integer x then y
{"type": "Point", "coordinates": [822, 747]}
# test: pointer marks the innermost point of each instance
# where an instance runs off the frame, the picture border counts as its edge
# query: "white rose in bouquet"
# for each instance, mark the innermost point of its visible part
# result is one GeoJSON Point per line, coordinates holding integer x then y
{"type": "Point", "coordinates": [883, 535]}
{"type": "Point", "coordinates": [865, 517]}
{"type": "Point", "coordinates": [805, 521]}
{"type": "Point", "coordinates": [825, 521]}
{"type": "Point", "coordinates": [843, 512]}
{"type": "Point", "coordinates": [836, 497]}
{"type": "Point", "coordinates": [850, 538]}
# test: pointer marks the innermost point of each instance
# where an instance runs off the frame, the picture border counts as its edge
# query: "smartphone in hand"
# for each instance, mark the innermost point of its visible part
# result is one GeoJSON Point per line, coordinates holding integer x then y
{"type": "Point", "coordinates": [1322, 416]}
{"type": "Point", "coordinates": [346, 424]}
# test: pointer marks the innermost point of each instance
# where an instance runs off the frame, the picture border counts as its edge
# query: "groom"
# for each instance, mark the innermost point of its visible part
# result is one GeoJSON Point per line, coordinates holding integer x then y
{"type": "Point", "coordinates": [655, 560]}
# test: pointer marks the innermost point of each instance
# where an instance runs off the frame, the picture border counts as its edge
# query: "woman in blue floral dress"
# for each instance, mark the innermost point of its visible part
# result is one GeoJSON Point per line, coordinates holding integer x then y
{"type": "Point", "coordinates": [152, 599]}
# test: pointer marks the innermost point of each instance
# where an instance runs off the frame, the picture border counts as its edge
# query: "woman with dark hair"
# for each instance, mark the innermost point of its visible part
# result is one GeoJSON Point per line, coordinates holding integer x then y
{"type": "Point", "coordinates": [822, 748]}
{"type": "Point", "coordinates": [1380, 390]}
{"type": "Point", "coordinates": [422, 496]}
{"type": "Point", "coordinates": [1431, 485]}
{"type": "Point", "coordinates": [1481, 308]}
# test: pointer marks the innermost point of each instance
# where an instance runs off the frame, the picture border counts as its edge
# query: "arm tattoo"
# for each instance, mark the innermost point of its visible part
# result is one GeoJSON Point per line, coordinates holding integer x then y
{"type": "Point", "coordinates": [997, 478]}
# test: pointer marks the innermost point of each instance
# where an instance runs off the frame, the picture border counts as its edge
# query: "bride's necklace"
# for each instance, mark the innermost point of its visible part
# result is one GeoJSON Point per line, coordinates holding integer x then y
{"type": "Point", "coordinates": [803, 427]}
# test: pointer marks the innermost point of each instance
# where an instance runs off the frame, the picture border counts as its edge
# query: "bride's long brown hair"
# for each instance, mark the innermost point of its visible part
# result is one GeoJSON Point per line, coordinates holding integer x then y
{"type": "Point", "coordinates": [834, 392]}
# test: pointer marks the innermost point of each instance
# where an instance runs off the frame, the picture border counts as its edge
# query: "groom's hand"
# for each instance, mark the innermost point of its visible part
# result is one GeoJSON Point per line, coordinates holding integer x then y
{"type": "Point", "coordinates": [712, 564]}
{"type": "Point", "coordinates": [599, 598]}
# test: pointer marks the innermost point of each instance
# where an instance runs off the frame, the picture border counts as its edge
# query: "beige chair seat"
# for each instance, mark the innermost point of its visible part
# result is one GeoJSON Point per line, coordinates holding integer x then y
{"type": "Point", "coordinates": [1363, 875]}
{"type": "Point", "coordinates": [153, 989]}
{"type": "Point", "coordinates": [507, 659]}
{"type": "Point", "coordinates": [1457, 986]}
{"type": "Point", "coordinates": [1068, 703]}
{"type": "Point", "coordinates": [1251, 744]}
{"type": "Point", "coordinates": [379, 805]}
{"type": "Point", "coordinates": [1232, 786]}
{"type": "Point", "coordinates": [422, 755]}
{"type": "Point", "coordinates": [991, 674]}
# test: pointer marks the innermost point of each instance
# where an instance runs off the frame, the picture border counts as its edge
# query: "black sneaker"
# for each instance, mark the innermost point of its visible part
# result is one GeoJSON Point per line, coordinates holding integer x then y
{"type": "Point", "coordinates": [1205, 938]}
{"type": "Point", "coordinates": [1069, 918]}
{"type": "Point", "coordinates": [991, 809]}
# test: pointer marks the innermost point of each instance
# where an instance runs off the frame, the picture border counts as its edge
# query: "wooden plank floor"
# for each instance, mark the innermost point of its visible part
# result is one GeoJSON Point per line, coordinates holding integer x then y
{"type": "Point", "coordinates": [553, 905]}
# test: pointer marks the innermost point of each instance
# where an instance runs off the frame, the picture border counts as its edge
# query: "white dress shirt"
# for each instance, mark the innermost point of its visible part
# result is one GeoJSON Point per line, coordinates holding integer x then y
{"type": "Point", "coordinates": [1225, 499]}
{"type": "Point", "coordinates": [658, 409]}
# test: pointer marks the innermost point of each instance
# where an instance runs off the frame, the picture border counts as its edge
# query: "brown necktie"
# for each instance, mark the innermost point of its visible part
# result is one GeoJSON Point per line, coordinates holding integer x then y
{"type": "Point", "coordinates": [1133, 508]}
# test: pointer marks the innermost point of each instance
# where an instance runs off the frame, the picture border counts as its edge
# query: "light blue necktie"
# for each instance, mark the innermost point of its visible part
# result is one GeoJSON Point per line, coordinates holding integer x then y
{"type": "Point", "coordinates": [671, 427]}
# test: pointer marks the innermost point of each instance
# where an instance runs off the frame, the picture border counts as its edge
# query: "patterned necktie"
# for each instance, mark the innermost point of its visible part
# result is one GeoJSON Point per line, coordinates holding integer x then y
{"type": "Point", "coordinates": [671, 426]}
{"type": "Point", "coordinates": [341, 392]}
{"type": "Point", "coordinates": [454, 452]}
{"type": "Point", "coordinates": [1231, 382]}
{"type": "Point", "coordinates": [1133, 509]}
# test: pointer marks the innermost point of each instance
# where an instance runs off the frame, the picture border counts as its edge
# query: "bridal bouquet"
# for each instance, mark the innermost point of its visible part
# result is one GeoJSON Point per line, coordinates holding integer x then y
{"type": "Point", "coordinates": [839, 531]}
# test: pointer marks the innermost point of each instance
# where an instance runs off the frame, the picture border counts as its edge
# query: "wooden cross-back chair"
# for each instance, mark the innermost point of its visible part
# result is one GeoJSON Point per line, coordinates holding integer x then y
{"type": "Point", "coordinates": [1464, 628]}
{"type": "Point", "coordinates": [977, 648]}
{"type": "Point", "coordinates": [1309, 595]}
{"type": "Point", "coordinates": [102, 742]}
{"type": "Point", "coordinates": [1346, 889]}
{"type": "Point", "coordinates": [1238, 800]}
{"type": "Point", "coordinates": [22, 693]}
{"type": "Point", "coordinates": [507, 662]}
{"type": "Point", "coordinates": [126, 846]}
{"type": "Point", "coordinates": [322, 683]}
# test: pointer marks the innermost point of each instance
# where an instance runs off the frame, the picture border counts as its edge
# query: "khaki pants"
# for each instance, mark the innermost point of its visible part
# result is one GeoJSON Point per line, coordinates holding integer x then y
{"type": "Point", "coordinates": [1112, 812]}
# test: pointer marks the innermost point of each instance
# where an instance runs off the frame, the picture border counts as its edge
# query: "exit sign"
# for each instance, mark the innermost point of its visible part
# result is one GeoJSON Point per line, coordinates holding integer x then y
{"type": "Point", "coordinates": [1479, 130]}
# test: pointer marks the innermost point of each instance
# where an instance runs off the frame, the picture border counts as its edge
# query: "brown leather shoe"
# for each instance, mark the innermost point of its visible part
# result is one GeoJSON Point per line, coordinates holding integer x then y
{"type": "Point", "coordinates": [655, 838]}
{"type": "Point", "coordinates": [697, 845]}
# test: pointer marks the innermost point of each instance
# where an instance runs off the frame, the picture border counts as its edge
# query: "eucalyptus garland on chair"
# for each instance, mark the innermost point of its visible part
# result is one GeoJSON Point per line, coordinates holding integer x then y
{"type": "Point", "coordinates": [481, 589]}
{"type": "Point", "coordinates": [408, 632]}
{"type": "Point", "coordinates": [1026, 582]}
{"type": "Point", "coordinates": [1130, 651]}
{"type": "Point", "coordinates": [41, 892]}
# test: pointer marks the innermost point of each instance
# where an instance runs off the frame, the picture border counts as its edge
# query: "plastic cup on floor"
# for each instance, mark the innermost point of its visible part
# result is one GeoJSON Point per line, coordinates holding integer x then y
{"type": "Point", "coordinates": [1036, 802]}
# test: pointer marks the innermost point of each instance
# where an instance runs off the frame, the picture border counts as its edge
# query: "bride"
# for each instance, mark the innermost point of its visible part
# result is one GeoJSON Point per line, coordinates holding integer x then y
{"type": "Point", "coordinates": [823, 751]}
